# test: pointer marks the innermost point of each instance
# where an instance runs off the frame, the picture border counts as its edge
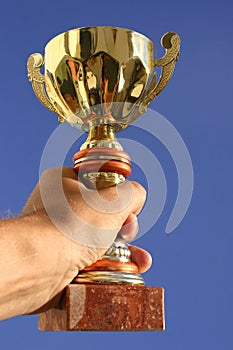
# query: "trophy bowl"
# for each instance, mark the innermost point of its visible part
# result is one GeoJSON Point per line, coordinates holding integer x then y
{"type": "Point", "coordinates": [101, 75]}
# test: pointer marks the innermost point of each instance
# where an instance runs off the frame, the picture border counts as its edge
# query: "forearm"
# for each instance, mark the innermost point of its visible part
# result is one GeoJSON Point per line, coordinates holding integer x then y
{"type": "Point", "coordinates": [30, 265]}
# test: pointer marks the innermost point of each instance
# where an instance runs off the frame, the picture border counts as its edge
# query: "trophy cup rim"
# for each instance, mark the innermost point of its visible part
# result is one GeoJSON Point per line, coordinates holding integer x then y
{"type": "Point", "coordinates": [100, 27]}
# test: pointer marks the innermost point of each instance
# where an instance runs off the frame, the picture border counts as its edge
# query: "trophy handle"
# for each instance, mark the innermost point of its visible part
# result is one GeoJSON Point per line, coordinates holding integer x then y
{"type": "Point", "coordinates": [171, 43]}
{"type": "Point", "coordinates": [34, 63]}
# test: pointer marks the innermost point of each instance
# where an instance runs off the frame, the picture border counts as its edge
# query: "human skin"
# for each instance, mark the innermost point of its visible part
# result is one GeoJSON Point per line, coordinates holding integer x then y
{"type": "Point", "coordinates": [37, 261]}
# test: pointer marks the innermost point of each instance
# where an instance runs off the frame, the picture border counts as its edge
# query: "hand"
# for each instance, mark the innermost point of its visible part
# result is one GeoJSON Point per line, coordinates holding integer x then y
{"type": "Point", "coordinates": [124, 221]}
{"type": "Point", "coordinates": [49, 250]}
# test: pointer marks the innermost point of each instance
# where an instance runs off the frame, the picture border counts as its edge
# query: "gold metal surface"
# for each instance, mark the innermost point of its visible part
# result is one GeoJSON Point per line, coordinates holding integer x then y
{"type": "Point", "coordinates": [102, 79]}
{"type": "Point", "coordinates": [101, 132]}
{"type": "Point", "coordinates": [101, 136]}
{"type": "Point", "coordinates": [118, 251]}
{"type": "Point", "coordinates": [101, 74]}
{"type": "Point", "coordinates": [102, 179]}
{"type": "Point", "coordinates": [34, 63]}
{"type": "Point", "coordinates": [171, 43]}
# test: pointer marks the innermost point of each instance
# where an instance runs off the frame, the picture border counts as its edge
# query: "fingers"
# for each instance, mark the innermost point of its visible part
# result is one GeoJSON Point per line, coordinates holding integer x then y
{"type": "Point", "coordinates": [122, 200]}
{"type": "Point", "coordinates": [141, 258]}
{"type": "Point", "coordinates": [132, 194]}
{"type": "Point", "coordinates": [112, 204]}
{"type": "Point", "coordinates": [69, 172]}
{"type": "Point", "coordinates": [139, 197]}
{"type": "Point", "coordinates": [79, 212]}
{"type": "Point", "coordinates": [65, 171]}
{"type": "Point", "coordinates": [129, 229]}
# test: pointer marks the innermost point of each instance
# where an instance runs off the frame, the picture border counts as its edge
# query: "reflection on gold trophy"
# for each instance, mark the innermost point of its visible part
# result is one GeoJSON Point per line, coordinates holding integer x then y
{"type": "Point", "coordinates": [102, 79]}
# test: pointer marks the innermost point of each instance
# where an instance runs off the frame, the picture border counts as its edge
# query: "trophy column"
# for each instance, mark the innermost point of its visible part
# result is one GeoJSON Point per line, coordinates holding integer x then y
{"type": "Point", "coordinates": [100, 163]}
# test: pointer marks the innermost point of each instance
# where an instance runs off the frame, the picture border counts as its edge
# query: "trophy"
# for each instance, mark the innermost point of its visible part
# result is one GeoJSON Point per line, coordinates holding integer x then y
{"type": "Point", "coordinates": [101, 79]}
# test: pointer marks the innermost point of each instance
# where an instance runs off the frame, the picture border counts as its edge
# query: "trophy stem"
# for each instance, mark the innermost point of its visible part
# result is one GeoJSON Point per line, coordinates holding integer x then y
{"type": "Point", "coordinates": [101, 162]}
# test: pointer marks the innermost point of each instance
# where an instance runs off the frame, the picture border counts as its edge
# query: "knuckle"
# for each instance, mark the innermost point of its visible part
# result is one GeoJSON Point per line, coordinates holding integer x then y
{"type": "Point", "coordinates": [139, 191]}
{"type": "Point", "coordinates": [50, 172]}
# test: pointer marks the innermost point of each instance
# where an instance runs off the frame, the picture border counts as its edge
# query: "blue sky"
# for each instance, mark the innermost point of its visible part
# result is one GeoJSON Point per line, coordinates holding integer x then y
{"type": "Point", "coordinates": [194, 263]}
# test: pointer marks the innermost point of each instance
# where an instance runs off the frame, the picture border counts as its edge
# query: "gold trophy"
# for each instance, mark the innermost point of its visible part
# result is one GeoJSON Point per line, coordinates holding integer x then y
{"type": "Point", "coordinates": [102, 79]}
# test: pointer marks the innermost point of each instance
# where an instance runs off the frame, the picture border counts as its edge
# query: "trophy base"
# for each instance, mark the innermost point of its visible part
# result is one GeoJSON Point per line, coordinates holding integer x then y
{"type": "Point", "coordinates": [98, 307]}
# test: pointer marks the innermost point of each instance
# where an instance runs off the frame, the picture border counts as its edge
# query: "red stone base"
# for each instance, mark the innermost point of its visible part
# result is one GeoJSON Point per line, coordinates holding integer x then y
{"type": "Point", "coordinates": [98, 307]}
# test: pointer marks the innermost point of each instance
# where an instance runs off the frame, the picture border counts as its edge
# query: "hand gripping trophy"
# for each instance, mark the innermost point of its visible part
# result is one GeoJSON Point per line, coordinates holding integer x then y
{"type": "Point", "coordinates": [102, 79]}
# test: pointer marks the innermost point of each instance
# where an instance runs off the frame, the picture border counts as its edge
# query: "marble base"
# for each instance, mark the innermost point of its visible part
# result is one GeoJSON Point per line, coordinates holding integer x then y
{"type": "Point", "coordinates": [101, 307]}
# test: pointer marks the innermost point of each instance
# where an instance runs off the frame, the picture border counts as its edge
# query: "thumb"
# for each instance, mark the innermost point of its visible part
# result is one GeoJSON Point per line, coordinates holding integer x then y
{"type": "Point", "coordinates": [106, 211]}
{"type": "Point", "coordinates": [120, 201]}
{"type": "Point", "coordinates": [138, 197]}
{"type": "Point", "coordinates": [131, 198]}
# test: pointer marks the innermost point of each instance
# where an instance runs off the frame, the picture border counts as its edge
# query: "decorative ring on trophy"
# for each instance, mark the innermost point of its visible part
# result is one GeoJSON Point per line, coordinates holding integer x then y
{"type": "Point", "coordinates": [102, 160]}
